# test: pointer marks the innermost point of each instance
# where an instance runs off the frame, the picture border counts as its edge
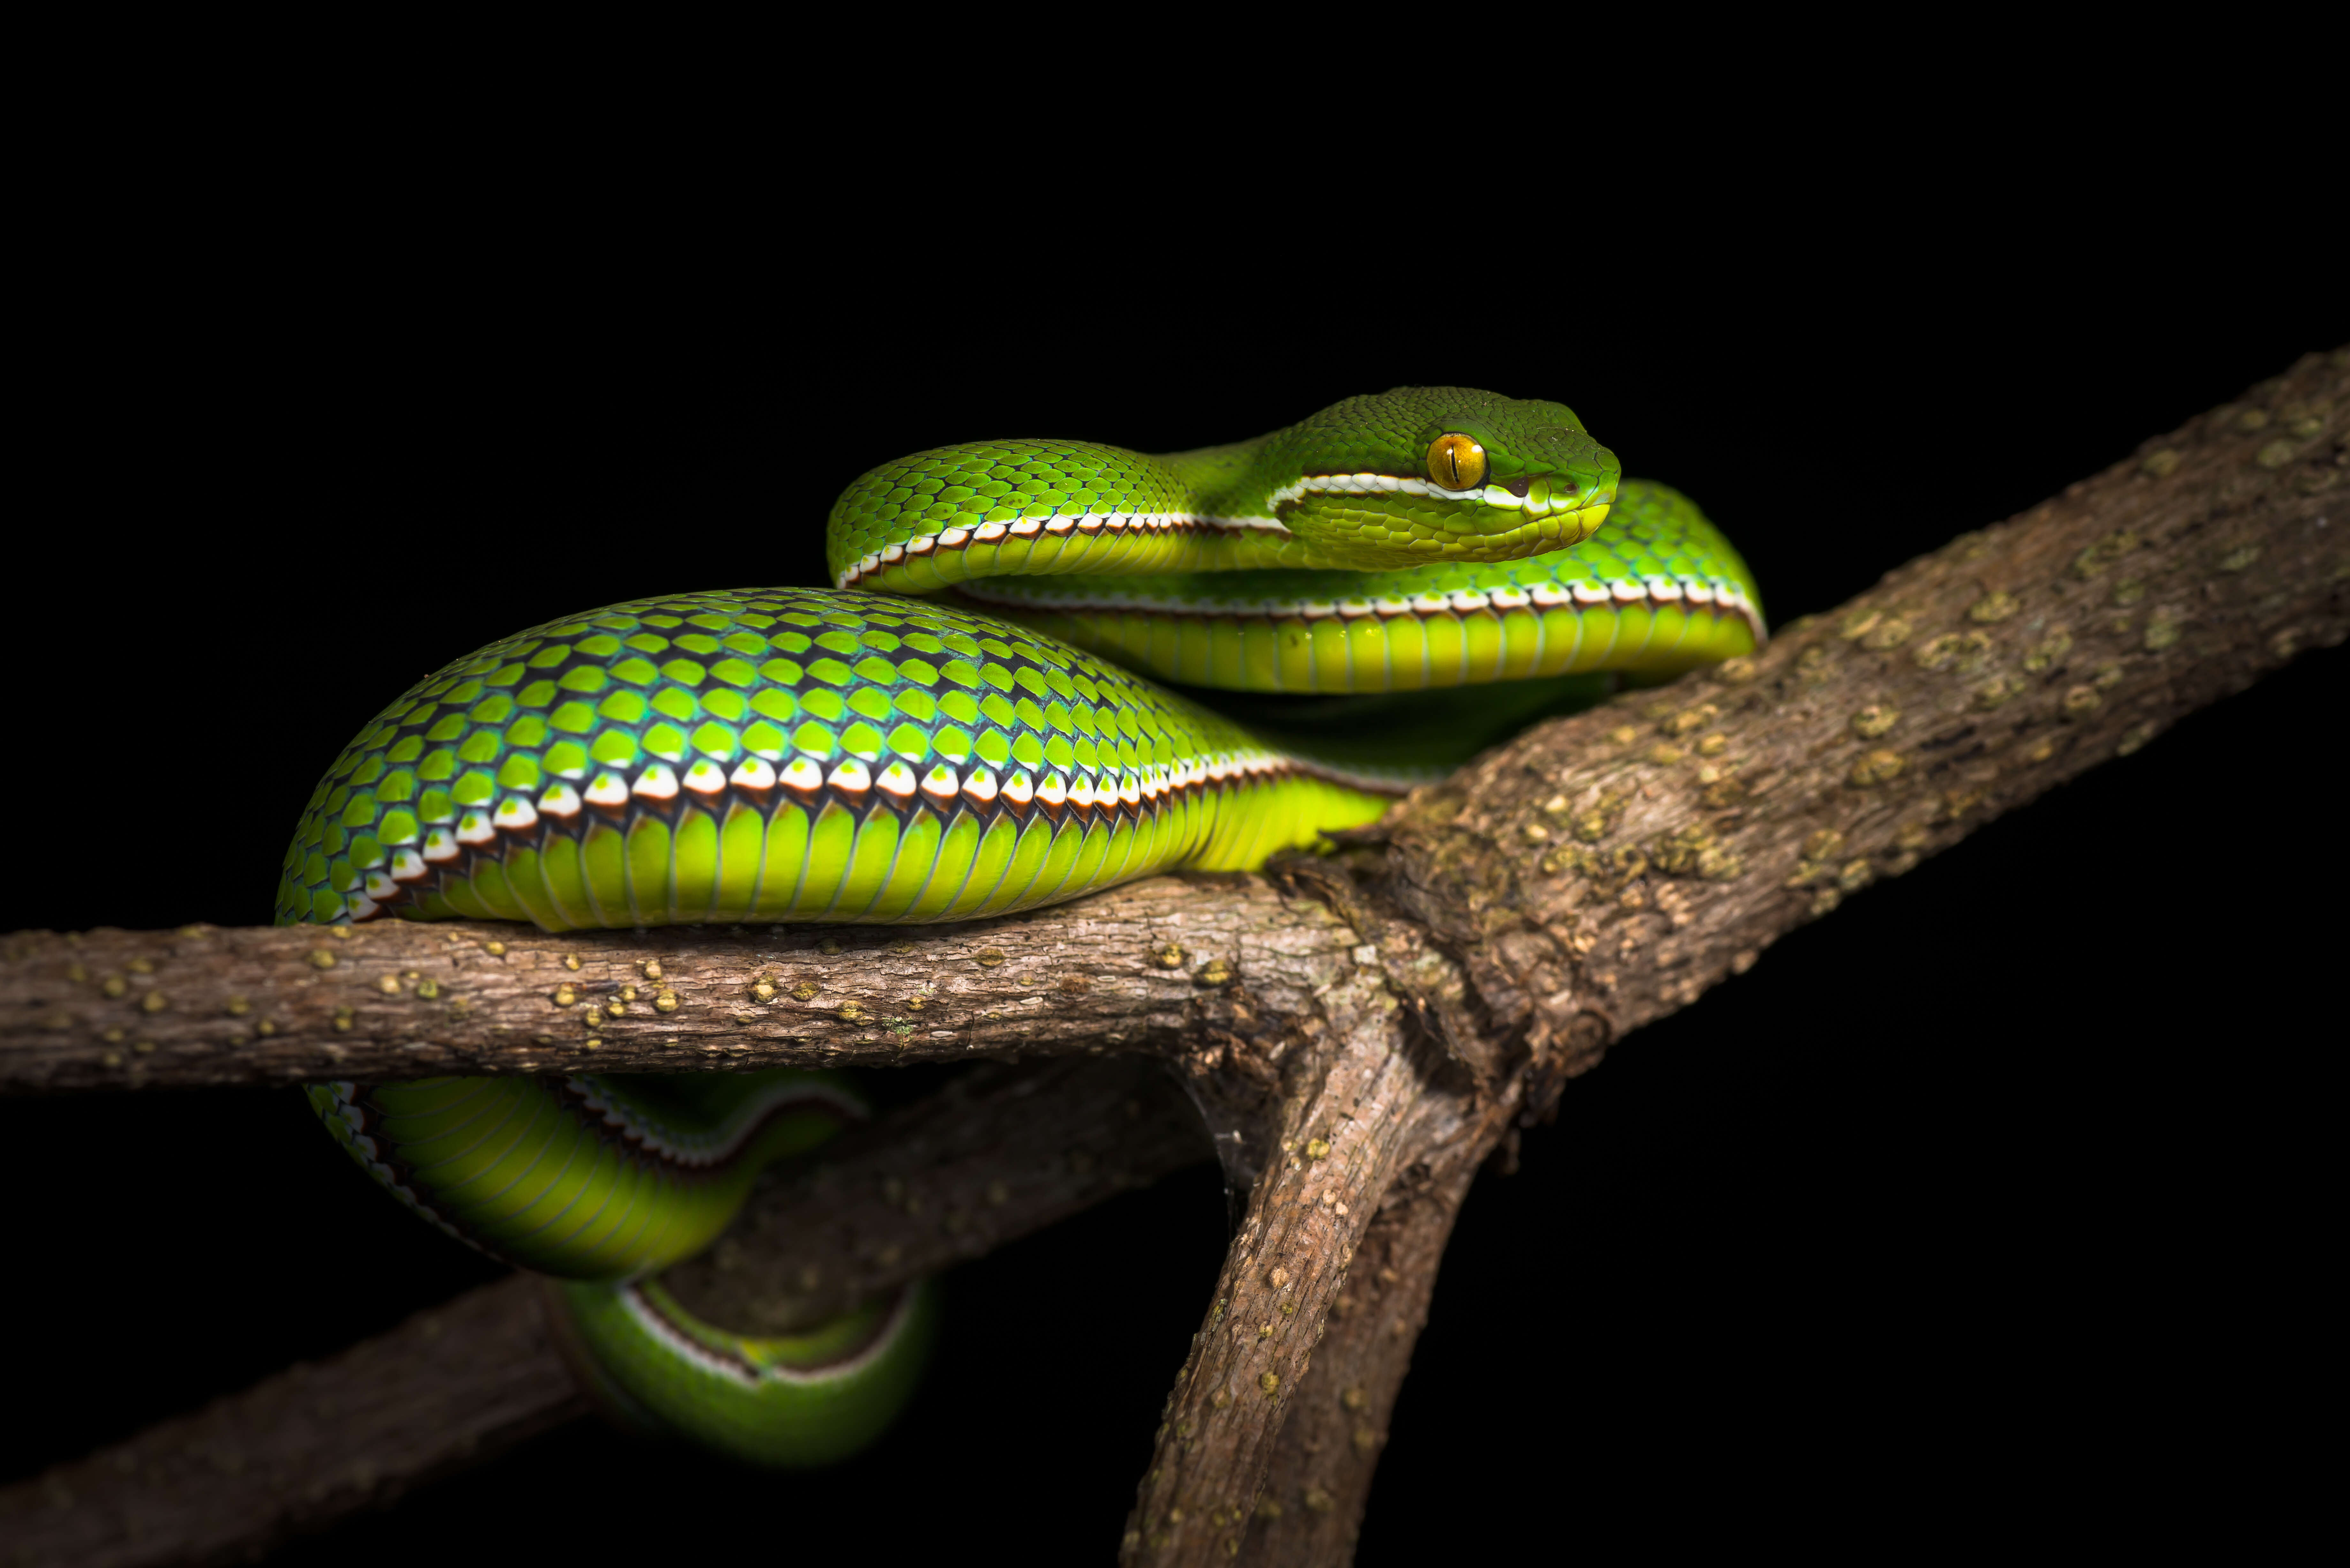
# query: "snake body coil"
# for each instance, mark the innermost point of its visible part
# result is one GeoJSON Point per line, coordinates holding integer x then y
{"type": "Point", "coordinates": [956, 730]}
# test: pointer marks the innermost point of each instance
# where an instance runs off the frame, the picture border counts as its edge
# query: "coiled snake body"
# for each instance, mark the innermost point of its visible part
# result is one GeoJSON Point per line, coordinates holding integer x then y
{"type": "Point", "coordinates": [961, 727]}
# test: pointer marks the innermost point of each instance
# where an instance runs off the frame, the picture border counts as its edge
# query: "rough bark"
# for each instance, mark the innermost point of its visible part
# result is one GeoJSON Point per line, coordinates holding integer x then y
{"type": "Point", "coordinates": [1364, 1028]}
{"type": "Point", "coordinates": [1125, 971]}
{"type": "Point", "coordinates": [448, 1387]}
{"type": "Point", "coordinates": [1001, 1153]}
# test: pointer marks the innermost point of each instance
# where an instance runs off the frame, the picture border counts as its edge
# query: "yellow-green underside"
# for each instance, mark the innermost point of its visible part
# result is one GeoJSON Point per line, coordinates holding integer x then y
{"type": "Point", "coordinates": [834, 865]}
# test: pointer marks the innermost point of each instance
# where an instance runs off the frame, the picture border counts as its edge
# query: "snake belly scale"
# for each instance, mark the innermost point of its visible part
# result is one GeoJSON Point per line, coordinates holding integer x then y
{"type": "Point", "coordinates": [969, 722]}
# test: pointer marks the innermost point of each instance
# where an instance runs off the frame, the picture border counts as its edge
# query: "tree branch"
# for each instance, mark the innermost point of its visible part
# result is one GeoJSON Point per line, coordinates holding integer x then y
{"type": "Point", "coordinates": [1001, 1153]}
{"type": "Point", "coordinates": [1376, 1022]}
{"type": "Point", "coordinates": [447, 1388]}
{"type": "Point", "coordinates": [1133, 969]}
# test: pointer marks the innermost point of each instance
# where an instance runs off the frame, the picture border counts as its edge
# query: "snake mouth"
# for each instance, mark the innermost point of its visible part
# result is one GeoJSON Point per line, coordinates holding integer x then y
{"type": "Point", "coordinates": [1531, 495]}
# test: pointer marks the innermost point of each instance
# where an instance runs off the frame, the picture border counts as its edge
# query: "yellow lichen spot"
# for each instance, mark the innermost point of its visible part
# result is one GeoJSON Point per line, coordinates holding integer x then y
{"type": "Point", "coordinates": [651, 968]}
{"type": "Point", "coordinates": [1688, 719]}
{"type": "Point", "coordinates": [1879, 766]}
{"type": "Point", "coordinates": [1735, 672]}
{"type": "Point", "coordinates": [1890, 633]}
{"type": "Point", "coordinates": [2081, 700]}
{"type": "Point", "coordinates": [344, 1019]}
{"type": "Point", "coordinates": [1663, 755]}
{"type": "Point", "coordinates": [141, 966]}
{"type": "Point", "coordinates": [152, 1002]}
{"type": "Point", "coordinates": [667, 1002]}
{"type": "Point", "coordinates": [1859, 624]}
{"type": "Point", "coordinates": [319, 958]}
{"type": "Point", "coordinates": [1271, 1383]}
{"type": "Point", "coordinates": [1623, 735]}
{"type": "Point", "coordinates": [593, 1043]}
{"type": "Point", "coordinates": [2161, 633]}
{"type": "Point", "coordinates": [1535, 833]}
{"type": "Point", "coordinates": [2242, 557]}
{"type": "Point", "coordinates": [1215, 971]}
{"type": "Point", "coordinates": [496, 950]}
{"type": "Point", "coordinates": [115, 985]}
{"type": "Point", "coordinates": [1874, 720]}
{"type": "Point", "coordinates": [2275, 454]}
{"type": "Point", "coordinates": [850, 1011]}
{"type": "Point", "coordinates": [340, 933]}
{"type": "Point", "coordinates": [1317, 1149]}
{"type": "Point", "coordinates": [2128, 591]}
{"type": "Point", "coordinates": [2252, 419]}
{"type": "Point", "coordinates": [806, 990]}
{"type": "Point", "coordinates": [1938, 653]}
{"type": "Point", "coordinates": [2161, 462]}
{"type": "Point", "coordinates": [2138, 736]}
{"type": "Point", "coordinates": [1998, 690]}
{"type": "Point", "coordinates": [571, 962]}
{"type": "Point", "coordinates": [1995, 605]}
{"type": "Point", "coordinates": [2108, 677]}
{"type": "Point", "coordinates": [1820, 846]}
{"type": "Point", "coordinates": [916, 1003]}
{"type": "Point", "coordinates": [1171, 956]}
{"type": "Point", "coordinates": [389, 985]}
{"type": "Point", "coordinates": [2049, 650]}
{"type": "Point", "coordinates": [829, 946]}
{"type": "Point", "coordinates": [762, 989]}
{"type": "Point", "coordinates": [1714, 745]}
{"type": "Point", "coordinates": [1855, 875]}
{"type": "Point", "coordinates": [238, 1007]}
{"type": "Point", "coordinates": [2104, 553]}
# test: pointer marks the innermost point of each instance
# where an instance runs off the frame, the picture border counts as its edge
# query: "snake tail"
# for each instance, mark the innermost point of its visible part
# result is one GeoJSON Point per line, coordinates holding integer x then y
{"type": "Point", "coordinates": [603, 1181]}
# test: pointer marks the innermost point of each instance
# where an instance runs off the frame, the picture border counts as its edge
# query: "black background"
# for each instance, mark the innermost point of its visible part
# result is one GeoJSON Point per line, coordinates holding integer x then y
{"type": "Point", "coordinates": [1995, 1192]}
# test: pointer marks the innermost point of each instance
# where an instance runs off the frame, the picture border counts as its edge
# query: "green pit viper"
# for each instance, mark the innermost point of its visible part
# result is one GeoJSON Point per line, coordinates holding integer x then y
{"type": "Point", "coordinates": [959, 727]}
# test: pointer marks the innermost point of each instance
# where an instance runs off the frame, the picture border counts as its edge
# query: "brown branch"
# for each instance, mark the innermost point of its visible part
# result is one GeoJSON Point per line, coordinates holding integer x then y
{"type": "Point", "coordinates": [1605, 869]}
{"type": "Point", "coordinates": [447, 1388]}
{"type": "Point", "coordinates": [1400, 1009]}
{"type": "Point", "coordinates": [1001, 1153]}
{"type": "Point", "coordinates": [209, 1005]}
{"type": "Point", "coordinates": [1311, 1502]}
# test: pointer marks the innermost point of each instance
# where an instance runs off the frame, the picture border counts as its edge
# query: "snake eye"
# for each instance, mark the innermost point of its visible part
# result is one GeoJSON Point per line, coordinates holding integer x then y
{"type": "Point", "coordinates": [1456, 461]}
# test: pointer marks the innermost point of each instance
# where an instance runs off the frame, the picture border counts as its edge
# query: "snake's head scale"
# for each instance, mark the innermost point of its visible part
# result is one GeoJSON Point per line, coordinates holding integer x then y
{"type": "Point", "coordinates": [1423, 474]}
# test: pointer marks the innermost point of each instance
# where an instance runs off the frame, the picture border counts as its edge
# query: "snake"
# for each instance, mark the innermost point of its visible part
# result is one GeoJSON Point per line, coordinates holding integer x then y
{"type": "Point", "coordinates": [1042, 669]}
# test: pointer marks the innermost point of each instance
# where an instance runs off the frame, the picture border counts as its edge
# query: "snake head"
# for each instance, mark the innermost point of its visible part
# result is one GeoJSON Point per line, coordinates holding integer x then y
{"type": "Point", "coordinates": [1423, 474]}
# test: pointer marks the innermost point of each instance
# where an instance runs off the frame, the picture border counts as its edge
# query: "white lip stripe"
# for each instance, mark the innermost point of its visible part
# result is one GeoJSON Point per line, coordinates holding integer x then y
{"type": "Point", "coordinates": [1078, 531]}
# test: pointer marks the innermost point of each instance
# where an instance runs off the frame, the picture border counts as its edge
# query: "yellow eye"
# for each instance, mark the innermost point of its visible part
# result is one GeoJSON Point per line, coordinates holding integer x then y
{"type": "Point", "coordinates": [1456, 461]}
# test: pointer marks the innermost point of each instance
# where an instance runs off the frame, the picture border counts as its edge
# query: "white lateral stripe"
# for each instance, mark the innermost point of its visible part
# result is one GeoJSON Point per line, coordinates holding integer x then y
{"type": "Point", "coordinates": [1724, 595]}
